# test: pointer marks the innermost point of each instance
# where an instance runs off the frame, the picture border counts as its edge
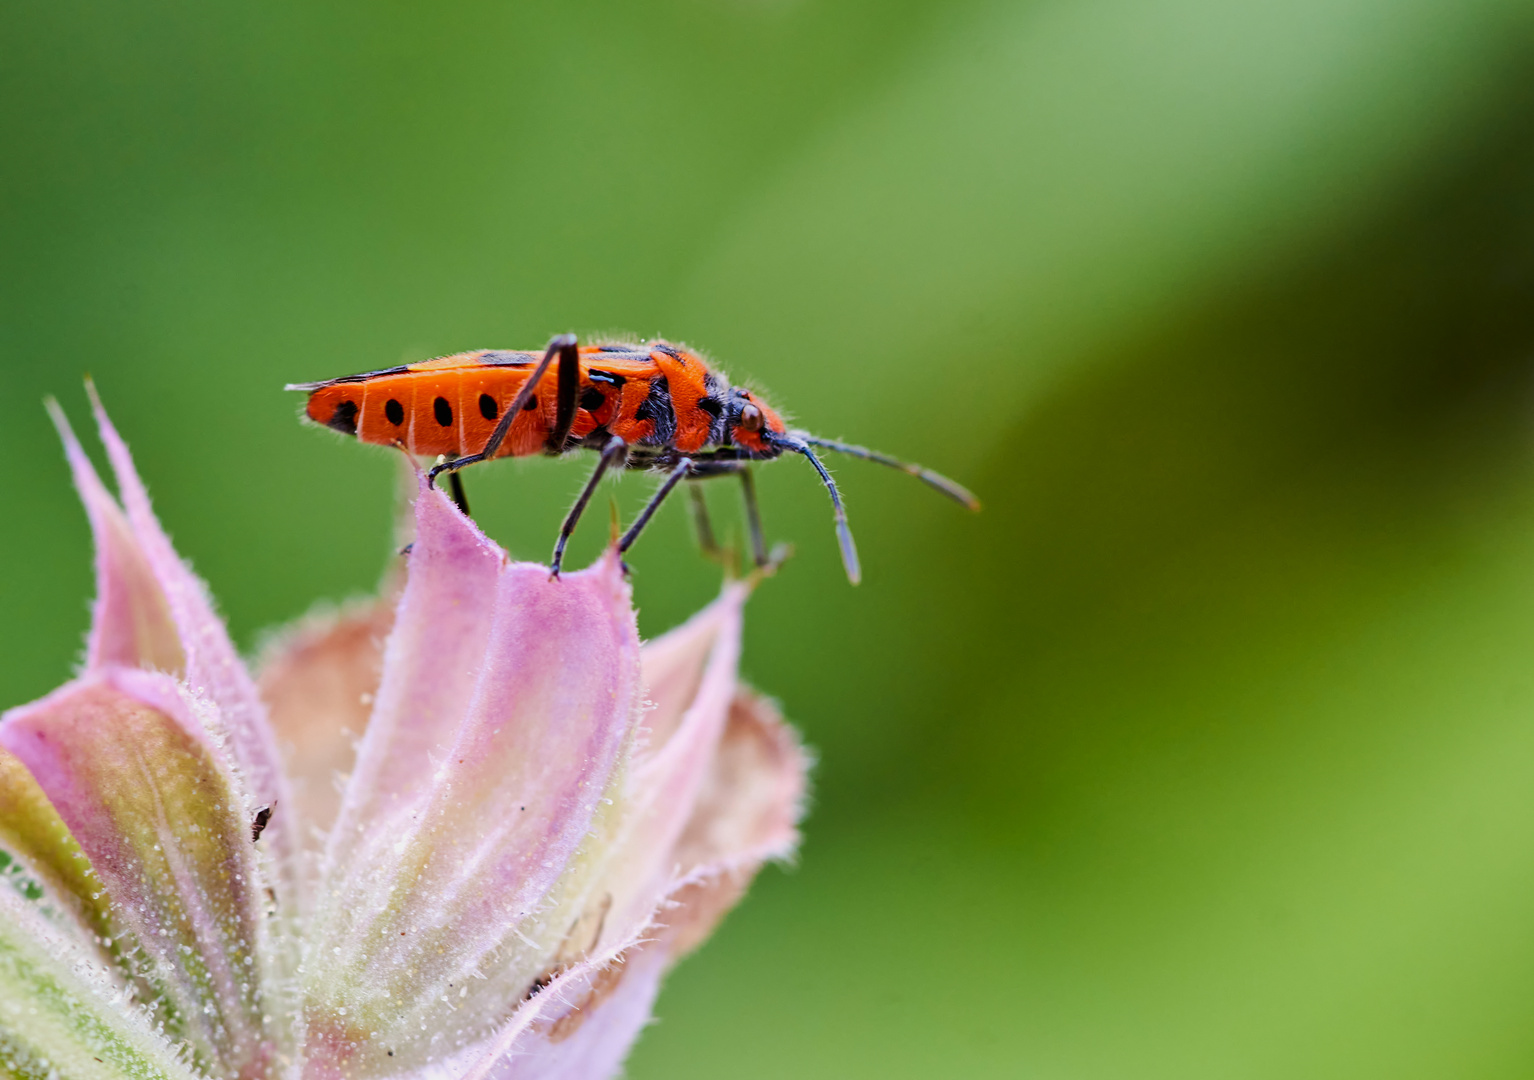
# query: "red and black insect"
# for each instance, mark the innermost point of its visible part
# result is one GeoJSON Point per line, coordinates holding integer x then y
{"type": "Point", "coordinates": [641, 406]}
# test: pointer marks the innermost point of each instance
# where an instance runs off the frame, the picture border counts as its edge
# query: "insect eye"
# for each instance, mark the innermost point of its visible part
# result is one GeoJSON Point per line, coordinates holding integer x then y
{"type": "Point", "coordinates": [751, 418]}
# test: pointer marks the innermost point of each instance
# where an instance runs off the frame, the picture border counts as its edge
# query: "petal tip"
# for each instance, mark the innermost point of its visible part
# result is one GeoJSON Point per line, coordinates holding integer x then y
{"type": "Point", "coordinates": [73, 451]}
{"type": "Point", "coordinates": [610, 572]}
{"type": "Point", "coordinates": [438, 520]}
{"type": "Point", "coordinates": [98, 410]}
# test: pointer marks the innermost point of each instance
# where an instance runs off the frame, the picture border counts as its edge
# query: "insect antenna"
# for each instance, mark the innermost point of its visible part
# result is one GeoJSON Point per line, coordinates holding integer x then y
{"type": "Point", "coordinates": [957, 492]}
{"type": "Point", "coordinates": [843, 533]}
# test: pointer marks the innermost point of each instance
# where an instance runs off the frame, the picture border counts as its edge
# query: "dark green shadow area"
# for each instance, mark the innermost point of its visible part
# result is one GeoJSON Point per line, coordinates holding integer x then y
{"type": "Point", "coordinates": [1218, 761]}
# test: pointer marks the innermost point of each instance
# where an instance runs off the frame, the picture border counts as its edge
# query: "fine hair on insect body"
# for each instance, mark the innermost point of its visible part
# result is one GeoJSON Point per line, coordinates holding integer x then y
{"type": "Point", "coordinates": [651, 405]}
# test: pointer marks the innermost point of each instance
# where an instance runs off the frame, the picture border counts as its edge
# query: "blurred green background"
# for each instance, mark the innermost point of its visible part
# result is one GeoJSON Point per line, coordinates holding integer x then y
{"type": "Point", "coordinates": [1207, 750]}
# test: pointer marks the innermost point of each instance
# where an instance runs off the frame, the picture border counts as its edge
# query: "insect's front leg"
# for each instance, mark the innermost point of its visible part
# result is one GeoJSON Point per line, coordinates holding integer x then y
{"type": "Point", "coordinates": [704, 469]}
{"type": "Point", "coordinates": [753, 516]}
{"type": "Point", "coordinates": [683, 468]}
{"type": "Point", "coordinates": [707, 543]}
{"type": "Point", "coordinates": [612, 454]}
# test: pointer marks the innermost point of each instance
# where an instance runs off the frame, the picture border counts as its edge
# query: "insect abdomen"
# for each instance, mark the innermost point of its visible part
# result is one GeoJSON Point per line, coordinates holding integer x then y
{"type": "Point", "coordinates": [482, 395]}
{"type": "Point", "coordinates": [434, 412]}
{"type": "Point", "coordinates": [336, 406]}
{"type": "Point", "coordinates": [388, 412]}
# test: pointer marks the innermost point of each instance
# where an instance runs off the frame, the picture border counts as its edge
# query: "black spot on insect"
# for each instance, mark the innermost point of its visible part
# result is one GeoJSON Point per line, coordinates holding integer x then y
{"type": "Point", "coordinates": [259, 822]}
{"type": "Point", "coordinates": [442, 411]}
{"type": "Point", "coordinates": [487, 407]}
{"type": "Point", "coordinates": [670, 350]}
{"type": "Point", "coordinates": [592, 399]}
{"type": "Point", "coordinates": [344, 419]}
{"type": "Point", "coordinates": [394, 411]}
{"type": "Point", "coordinates": [597, 375]}
{"type": "Point", "coordinates": [656, 408]}
{"type": "Point", "coordinates": [532, 403]}
{"type": "Point", "coordinates": [712, 407]}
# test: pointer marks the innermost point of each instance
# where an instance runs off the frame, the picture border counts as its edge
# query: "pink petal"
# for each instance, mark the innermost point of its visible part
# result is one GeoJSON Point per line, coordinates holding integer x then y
{"type": "Point", "coordinates": [690, 676]}
{"type": "Point", "coordinates": [319, 681]}
{"type": "Point", "coordinates": [719, 792]}
{"type": "Point", "coordinates": [747, 812]}
{"type": "Point", "coordinates": [32, 832]}
{"type": "Point", "coordinates": [441, 904]}
{"type": "Point", "coordinates": [432, 662]}
{"type": "Point", "coordinates": [674, 663]}
{"type": "Point", "coordinates": [131, 623]}
{"type": "Point", "coordinates": [585, 1024]}
{"type": "Point", "coordinates": [127, 766]}
{"type": "Point", "coordinates": [213, 667]}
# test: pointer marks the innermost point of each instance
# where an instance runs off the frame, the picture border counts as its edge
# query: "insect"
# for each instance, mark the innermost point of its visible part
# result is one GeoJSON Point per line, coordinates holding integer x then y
{"type": "Point", "coordinates": [640, 406]}
{"type": "Point", "coordinates": [259, 821]}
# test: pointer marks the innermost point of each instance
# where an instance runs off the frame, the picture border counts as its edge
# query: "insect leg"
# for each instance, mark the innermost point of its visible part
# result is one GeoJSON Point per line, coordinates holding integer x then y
{"type": "Point", "coordinates": [704, 469]}
{"type": "Point", "coordinates": [562, 346]}
{"type": "Point", "coordinates": [565, 397]}
{"type": "Point", "coordinates": [612, 454]}
{"type": "Point", "coordinates": [706, 540]}
{"type": "Point", "coordinates": [455, 489]}
{"type": "Point", "coordinates": [682, 468]}
{"type": "Point", "coordinates": [753, 517]}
